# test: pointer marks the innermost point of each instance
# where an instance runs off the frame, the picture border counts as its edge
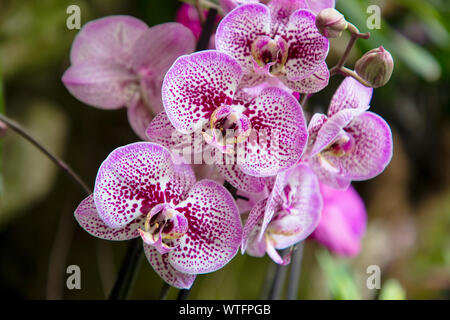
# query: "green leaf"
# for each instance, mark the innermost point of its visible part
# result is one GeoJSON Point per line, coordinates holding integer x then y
{"type": "Point", "coordinates": [392, 290]}
{"type": "Point", "coordinates": [339, 277]}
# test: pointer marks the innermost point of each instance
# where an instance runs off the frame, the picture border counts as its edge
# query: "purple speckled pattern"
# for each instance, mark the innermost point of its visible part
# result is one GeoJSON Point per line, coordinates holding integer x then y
{"type": "Point", "coordinates": [198, 84]}
{"type": "Point", "coordinates": [350, 95]}
{"type": "Point", "coordinates": [136, 177]}
{"type": "Point", "coordinates": [87, 216]}
{"type": "Point", "coordinates": [238, 179]}
{"type": "Point", "coordinates": [250, 242]}
{"type": "Point", "coordinates": [166, 271]}
{"type": "Point", "coordinates": [290, 28]}
{"type": "Point", "coordinates": [215, 229]}
{"type": "Point", "coordinates": [307, 47]}
{"type": "Point", "coordinates": [277, 114]}
{"type": "Point", "coordinates": [311, 84]}
{"type": "Point", "coordinates": [318, 5]}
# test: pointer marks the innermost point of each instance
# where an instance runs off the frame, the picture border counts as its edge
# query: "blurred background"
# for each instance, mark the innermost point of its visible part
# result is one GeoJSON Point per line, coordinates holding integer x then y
{"type": "Point", "coordinates": [408, 232]}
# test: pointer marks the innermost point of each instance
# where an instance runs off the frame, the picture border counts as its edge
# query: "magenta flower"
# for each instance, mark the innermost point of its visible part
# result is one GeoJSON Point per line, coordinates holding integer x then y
{"type": "Point", "coordinates": [200, 94]}
{"type": "Point", "coordinates": [351, 143]}
{"type": "Point", "coordinates": [119, 61]}
{"type": "Point", "coordinates": [279, 40]}
{"type": "Point", "coordinates": [188, 228]}
{"type": "Point", "coordinates": [286, 217]}
{"type": "Point", "coordinates": [343, 221]}
{"type": "Point", "coordinates": [314, 5]}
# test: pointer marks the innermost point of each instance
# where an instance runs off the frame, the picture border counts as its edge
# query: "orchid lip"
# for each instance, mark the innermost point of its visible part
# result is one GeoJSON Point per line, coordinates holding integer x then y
{"type": "Point", "coordinates": [163, 228]}
{"type": "Point", "coordinates": [269, 54]}
{"type": "Point", "coordinates": [227, 127]}
{"type": "Point", "coordinates": [341, 146]}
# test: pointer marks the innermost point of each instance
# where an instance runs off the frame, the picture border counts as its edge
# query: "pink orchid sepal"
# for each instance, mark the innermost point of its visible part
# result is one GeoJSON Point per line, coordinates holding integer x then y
{"type": "Point", "coordinates": [118, 61]}
{"type": "Point", "coordinates": [187, 227]}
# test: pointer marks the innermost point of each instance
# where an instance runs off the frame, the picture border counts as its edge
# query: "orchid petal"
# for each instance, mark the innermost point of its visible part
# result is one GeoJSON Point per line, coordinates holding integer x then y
{"type": "Point", "coordinates": [280, 12]}
{"type": "Point", "coordinates": [104, 84]}
{"type": "Point", "coordinates": [278, 136]}
{"type": "Point", "coordinates": [250, 242]}
{"type": "Point", "coordinates": [162, 266]}
{"type": "Point", "coordinates": [372, 149]}
{"type": "Point", "coordinates": [327, 173]}
{"type": "Point", "coordinates": [136, 177]}
{"type": "Point", "coordinates": [318, 5]}
{"type": "Point", "coordinates": [350, 95]}
{"type": "Point", "coordinates": [238, 179]}
{"type": "Point", "coordinates": [139, 116]}
{"type": "Point", "coordinates": [87, 216]}
{"type": "Point", "coordinates": [311, 84]}
{"type": "Point", "coordinates": [239, 29]}
{"type": "Point", "coordinates": [196, 85]}
{"type": "Point", "coordinates": [275, 256]}
{"type": "Point", "coordinates": [110, 38]}
{"type": "Point", "coordinates": [307, 47]}
{"type": "Point", "coordinates": [215, 230]}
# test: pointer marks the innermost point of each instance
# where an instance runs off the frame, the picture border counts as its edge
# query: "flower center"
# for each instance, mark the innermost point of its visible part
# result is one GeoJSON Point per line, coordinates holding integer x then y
{"type": "Point", "coordinates": [341, 146]}
{"type": "Point", "coordinates": [163, 226]}
{"type": "Point", "coordinates": [228, 126]}
{"type": "Point", "coordinates": [269, 55]}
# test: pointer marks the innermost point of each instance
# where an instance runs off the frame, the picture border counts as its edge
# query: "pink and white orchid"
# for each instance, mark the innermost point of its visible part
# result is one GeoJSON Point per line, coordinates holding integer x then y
{"type": "Point", "coordinates": [200, 94]}
{"type": "Point", "coordinates": [119, 61]}
{"type": "Point", "coordinates": [188, 228]}
{"type": "Point", "coordinates": [351, 143]}
{"type": "Point", "coordinates": [343, 221]}
{"type": "Point", "coordinates": [286, 217]}
{"type": "Point", "coordinates": [278, 40]}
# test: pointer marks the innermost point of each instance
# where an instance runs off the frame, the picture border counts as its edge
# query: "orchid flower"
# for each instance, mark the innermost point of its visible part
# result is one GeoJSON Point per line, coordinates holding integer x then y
{"type": "Point", "coordinates": [286, 217]}
{"type": "Point", "coordinates": [343, 221]}
{"type": "Point", "coordinates": [351, 143]}
{"type": "Point", "coordinates": [200, 94]}
{"type": "Point", "coordinates": [314, 5]}
{"type": "Point", "coordinates": [118, 61]}
{"type": "Point", "coordinates": [187, 227]}
{"type": "Point", "coordinates": [278, 40]}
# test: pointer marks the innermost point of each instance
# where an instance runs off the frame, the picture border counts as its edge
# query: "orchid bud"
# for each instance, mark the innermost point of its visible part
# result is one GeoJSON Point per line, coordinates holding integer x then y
{"type": "Point", "coordinates": [331, 23]}
{"type": "Point", "coordinates": [375, 66]}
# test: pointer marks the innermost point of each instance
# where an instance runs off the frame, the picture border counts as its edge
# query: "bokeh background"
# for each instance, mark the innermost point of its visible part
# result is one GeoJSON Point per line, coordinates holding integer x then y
{"type": "Point", "coordinates": [408, 205]}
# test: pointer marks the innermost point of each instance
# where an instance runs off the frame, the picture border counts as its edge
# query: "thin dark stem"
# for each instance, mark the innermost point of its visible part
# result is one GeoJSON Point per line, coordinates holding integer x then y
{"type": "Point", "coordinates": [294, 275]}
{"type": "Point", "coordinates": [164, 291]}
{"type": "Point", "coordinates": [207, 30]}
{"type": "Point", "coordinates": [303, 99]}
{"type": "Point", "coordinates": [22, 132]}
{"type": "Point", "coordinates": [231, 189]}
{"type": "Point", "coordinates": [277, 282]}
{"type": "Point", "coordinates": [183, 294]}
{"type": "Point", "coordinates": [128, 270]}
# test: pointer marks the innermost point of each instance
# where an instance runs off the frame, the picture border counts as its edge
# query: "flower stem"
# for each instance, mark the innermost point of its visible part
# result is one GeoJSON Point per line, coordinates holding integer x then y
{"type": "Point", "coordinates": [294, 275]}
{"type": "Point", "coordinates": [183, 294]}
{"type": "Point", "coordinates": [128, 270]}
{"type": "Point", "coordinates": [24, 133]}
{"type": "Point", "coordinates": [277, 282]}
{"type": "Point", "coordinates": [207, 30]}
{"type": "Point", "coordinates": [164, 291]}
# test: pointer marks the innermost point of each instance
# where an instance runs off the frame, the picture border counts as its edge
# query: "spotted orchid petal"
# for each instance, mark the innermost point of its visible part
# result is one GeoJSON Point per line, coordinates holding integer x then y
{"type": "Point", "coordinates": [278, 135]}
{"type": "Point", "coordinates": [135, 178]}
{"type": "Point", "coordinates": [318, 5]}
{"type": "Point", "coordinates": [88, 218]}
{"type": "Point", "coordinates": [303, 215]}
{"type": "Point", "coordinates": [162, 266]}
{"type": "Point", "coordinates": [196, 85]}
{"type": "Point", "coordinates": [328, 174]}
{"type": "Point", "coordinates": [215, 230]}
{"type": "Point", "coordinates": [102, 84]}
{"type": "Point", "coordinates": [333, 127]}
{"type": "Point", "coordinates": [275, 256]}
{"type": "Point", "coordinates": [154, 52]}
{"type": "Point", "coordinates": [238, 179]}
{"type": "Point", "coordinates": [109, 39]}
{"type": "Point", "coordinates": [311, 84]}
{"type": "Point", "coordinates": [250, 242]}
{"type": "Point", "coordinates": [139, 116]}
{"type": "Point", "coordinates": [350, 95]}
{"type": "Point", "coordinates": [371, 150]}
{"type": "Point", "coordinates": [239, 29]}
{"type": "Point", "coordinates": [229, 5]}
{"type": "Point", "coordinates": [281, 10]}
{"type": "Point", "coordinates": [307, 47]}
